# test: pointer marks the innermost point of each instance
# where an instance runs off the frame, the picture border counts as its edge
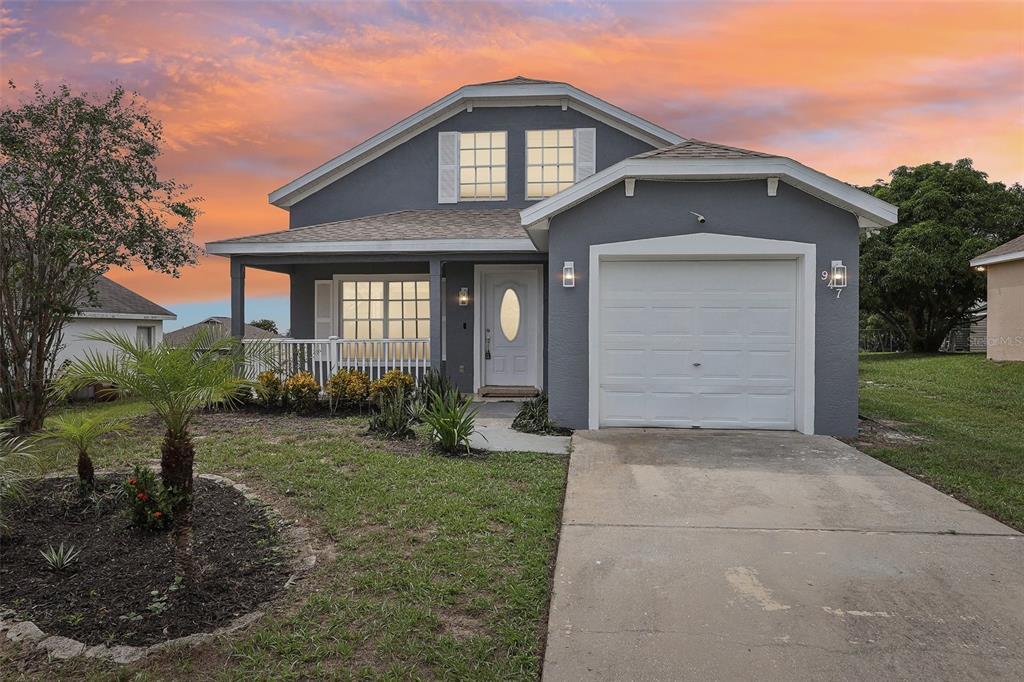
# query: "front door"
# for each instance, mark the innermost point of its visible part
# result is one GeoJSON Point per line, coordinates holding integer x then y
{"type": "Point", "coordinates": [511, 326]}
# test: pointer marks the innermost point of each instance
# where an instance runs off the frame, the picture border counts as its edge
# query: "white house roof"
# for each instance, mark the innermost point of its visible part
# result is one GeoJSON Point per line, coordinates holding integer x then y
{"type": "Point", "coordinates": [698, 160]}
{"type": "Point", "coordinates": [516, 90]}
{"type": "Point", "coordinates": [1004, 253]}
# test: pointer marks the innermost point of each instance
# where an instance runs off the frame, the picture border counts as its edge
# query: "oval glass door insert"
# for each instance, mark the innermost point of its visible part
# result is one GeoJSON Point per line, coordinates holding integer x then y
{"type": "Point", "coordinates": [509, 314]}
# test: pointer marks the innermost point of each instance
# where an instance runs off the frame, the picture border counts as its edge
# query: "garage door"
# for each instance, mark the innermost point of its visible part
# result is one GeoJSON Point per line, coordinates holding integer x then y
{"type": "Point", "coordinates": [709, 344]}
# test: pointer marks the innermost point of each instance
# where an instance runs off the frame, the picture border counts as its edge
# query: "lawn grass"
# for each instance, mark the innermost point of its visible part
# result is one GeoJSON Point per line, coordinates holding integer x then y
{"type": "Point", "coordinates": [970, 413]}
{"type": "Point", "coordinates": [440, 565]}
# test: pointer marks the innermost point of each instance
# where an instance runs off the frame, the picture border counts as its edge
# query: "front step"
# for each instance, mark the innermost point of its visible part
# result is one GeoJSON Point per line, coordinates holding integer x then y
{"type": "Point", "coordinates": [508, 392]}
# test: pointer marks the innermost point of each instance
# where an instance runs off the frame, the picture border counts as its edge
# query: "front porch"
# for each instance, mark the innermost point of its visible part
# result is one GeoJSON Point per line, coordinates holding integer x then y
{"type": "Point", "coordinates": [410, 312]}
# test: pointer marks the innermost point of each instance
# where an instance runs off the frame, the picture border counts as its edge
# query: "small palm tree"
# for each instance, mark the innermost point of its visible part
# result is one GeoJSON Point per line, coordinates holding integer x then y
{"type": "Point", "coordinates": [15, 453]}
{"type": "Point", "coordinates": [177, 381]}
{"type": "Point", "coordinates": [78, 432]}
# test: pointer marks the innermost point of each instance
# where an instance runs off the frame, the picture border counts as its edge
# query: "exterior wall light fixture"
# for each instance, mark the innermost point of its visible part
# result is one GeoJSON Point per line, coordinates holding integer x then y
{"type": "Point", "coordinates": [464, 296]}
{"type": "Point", "coordinates": [569, 274]}
{"type": "Point", "coordinates": [837, 278]}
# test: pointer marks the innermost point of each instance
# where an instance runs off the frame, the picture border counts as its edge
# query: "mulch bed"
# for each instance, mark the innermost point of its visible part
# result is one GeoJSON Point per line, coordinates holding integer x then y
{"type": "Point", "coordinates": [118, 591]}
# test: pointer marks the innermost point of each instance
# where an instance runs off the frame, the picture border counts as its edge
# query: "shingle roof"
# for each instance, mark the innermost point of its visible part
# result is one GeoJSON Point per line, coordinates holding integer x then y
{"type": "Point", "coordinates": [113, 298]}
{"type": "Point", "coordinates": [219, 327]}
{"type": "Point", "coordinates": [1012, 246]}
{"type": "Point", "coordinates": [517, 80]}
{"type": "Point", "coordinates": [495, 223]}
{"type": "Point", "coordinates": [698, 149]}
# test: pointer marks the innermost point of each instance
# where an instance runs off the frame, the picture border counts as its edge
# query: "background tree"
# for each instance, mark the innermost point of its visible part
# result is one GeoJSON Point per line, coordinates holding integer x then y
{"type": "Point", "coordinates": [266, 325]}
{"type": "Point", "coordinates": [916, 274]}
{"type": "Point", "coordinates": [79, 194]}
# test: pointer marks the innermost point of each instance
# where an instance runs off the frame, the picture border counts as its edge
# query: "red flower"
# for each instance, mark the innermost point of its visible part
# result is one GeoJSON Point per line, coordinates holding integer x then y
{"type": "Point", "coordinates": [141, 496]}
{"type": "Point", "coordinates": [157, 514]}
{"type": "Point", "coordinates": [131, 481]}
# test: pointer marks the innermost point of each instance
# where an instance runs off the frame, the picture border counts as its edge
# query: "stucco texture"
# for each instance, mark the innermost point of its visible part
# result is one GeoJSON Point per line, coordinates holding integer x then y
{"type": "Point", "coordinates": [1006, 311]}
{"type": "Point", "coordinates": [742, 208]}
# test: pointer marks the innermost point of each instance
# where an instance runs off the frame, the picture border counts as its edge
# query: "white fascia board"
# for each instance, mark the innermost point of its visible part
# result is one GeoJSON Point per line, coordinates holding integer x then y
{"type": "Point", "coordinates": [389, 246]}
{"type": "Point", "coordinates": [452, 104]}
{"type": "Point", "coordinates": [99, 315]}
{"type": "Point", "coordinates": [1001, 258]}
{"type": "Point", "coordinates": [796, 174]}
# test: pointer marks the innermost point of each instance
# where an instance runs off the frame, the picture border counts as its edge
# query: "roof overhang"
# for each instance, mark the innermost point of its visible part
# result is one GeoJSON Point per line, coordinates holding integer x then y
{"type": "Point", "coordinates": [463, 99]}
{"type": "Point", "coordinates": [100, 315]}
{"type": "Point", "coordinates": [982, 261]}
{"type": "Point", "coordinates": [239, 248]}
{"type": "Point", "coordinates": [871, 212]}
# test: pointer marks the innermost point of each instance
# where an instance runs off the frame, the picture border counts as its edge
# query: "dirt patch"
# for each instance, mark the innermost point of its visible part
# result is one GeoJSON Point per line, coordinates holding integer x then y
{"type": "Point", "coordinates": [883, 433]}
{"type": "Point", "coordinates": [460, 626]}
{"type": "Point", "coordinates": [122, 588]}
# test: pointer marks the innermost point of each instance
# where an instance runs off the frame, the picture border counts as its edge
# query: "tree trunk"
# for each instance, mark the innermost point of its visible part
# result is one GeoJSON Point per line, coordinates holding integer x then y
{"type": "Point", "coordinates": [86, 474]}
{"type": "Point", "coordinates": [176, 456]}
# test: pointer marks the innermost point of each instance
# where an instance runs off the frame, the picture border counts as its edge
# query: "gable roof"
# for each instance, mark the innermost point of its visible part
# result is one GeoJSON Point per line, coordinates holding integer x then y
{"type": "Point", "coordinates": [219, 326]}
{"type": "Point", "coordinates": [698, 160]}
{"type": "Point", "coordinates": [446, 229]}
{"type": "Point", "coordinates": [1004, 253]}
{"type": "Point", "coordinates": [495, 93]}
{"type": "Point", "coordinates": [115, 301]}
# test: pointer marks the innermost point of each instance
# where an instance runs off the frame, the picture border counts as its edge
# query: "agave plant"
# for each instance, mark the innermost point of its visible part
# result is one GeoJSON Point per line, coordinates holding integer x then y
{"type": "Point", "coordinates": [59, 558]}
{"type": "Point", "coordinates": [78, 432]}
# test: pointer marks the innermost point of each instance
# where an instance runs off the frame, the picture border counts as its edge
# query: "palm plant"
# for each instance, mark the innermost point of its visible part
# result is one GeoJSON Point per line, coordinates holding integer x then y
{"type": "Point", "coordinates": [15, 454]}
{"type": "Point", "coordinates": [176, 381]}
{"type": "Point", "coordinates": [78, 432]}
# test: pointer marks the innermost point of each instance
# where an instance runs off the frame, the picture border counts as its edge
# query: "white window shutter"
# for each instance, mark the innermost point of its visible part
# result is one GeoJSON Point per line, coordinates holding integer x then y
{"type": "Point", "coordinates": [323, 309]}
{"type": "Point", "coordinates": [447, 168]}
{"type": "Point", "coordinates": [586, 152]}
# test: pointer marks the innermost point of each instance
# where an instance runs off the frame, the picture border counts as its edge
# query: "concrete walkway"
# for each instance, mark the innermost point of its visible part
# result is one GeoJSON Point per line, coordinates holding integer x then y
{"type": "Point", "coordinates": [774, 556]}
{"type": "Point", "coordinates": [495, 432]}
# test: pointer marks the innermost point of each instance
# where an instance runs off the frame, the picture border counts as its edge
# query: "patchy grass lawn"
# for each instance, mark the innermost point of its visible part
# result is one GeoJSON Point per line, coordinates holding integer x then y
{"type": "Point", "coordinates": [969, 413]}
{"type": "Point", "coordinates": [438, 569]}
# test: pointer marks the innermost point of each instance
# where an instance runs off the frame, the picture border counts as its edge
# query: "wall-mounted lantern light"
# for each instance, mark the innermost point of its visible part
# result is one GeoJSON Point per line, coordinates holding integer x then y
{"type": "Point", "coordinates": [569, 274]}
{"type": "Point", "coordinates": [838, 279]}
{"type": "Point", "coordinates": [464, 296]}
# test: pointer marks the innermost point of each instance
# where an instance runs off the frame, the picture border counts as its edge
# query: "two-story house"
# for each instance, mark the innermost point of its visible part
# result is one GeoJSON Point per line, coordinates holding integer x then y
{"type": "Point", "coordinates": [524, 235]}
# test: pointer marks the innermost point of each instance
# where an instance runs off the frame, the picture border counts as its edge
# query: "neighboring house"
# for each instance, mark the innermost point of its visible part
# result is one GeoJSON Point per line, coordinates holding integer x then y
{"type": "Point", "coordinates": [525, 235]}
{"type": "Point", "coordinates": [218, 327]}
{"type": "Point", "coordinates": [1004, 266]}
{"type": "Point", "coordinates": [972, 336]}
{"type": "Point", "coordinates": [118, 310]}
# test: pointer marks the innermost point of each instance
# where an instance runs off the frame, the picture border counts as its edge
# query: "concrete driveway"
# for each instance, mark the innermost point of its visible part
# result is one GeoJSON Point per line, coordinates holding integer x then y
{"type": "Point", "coordinates": [719, 555]}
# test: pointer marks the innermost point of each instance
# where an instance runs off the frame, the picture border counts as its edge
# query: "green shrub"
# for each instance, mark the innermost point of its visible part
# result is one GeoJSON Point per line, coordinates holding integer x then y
{"type": "Point", "coordinates": [348, 389]}
{"type": "Point", "coordinates": [395, 377]}
{"type": "Point", "coordinates": [149, 501]}
{"type": "Point", "coordinates": [302, 392]}
{"type": "Point", "coordinates": [269, 389]}
{"type": "Point", "coordinates": [452, 420]}
{"type": "Point", "coordinates": [393, 418]}
{"type": "Point", "coordinates": [533, 418]}
{"type": "Point", "coordinates": [435, 381]}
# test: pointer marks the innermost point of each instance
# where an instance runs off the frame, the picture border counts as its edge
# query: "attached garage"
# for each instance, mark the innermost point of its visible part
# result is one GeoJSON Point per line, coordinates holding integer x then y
{"type": "Point", "coordinates": [698, 343]}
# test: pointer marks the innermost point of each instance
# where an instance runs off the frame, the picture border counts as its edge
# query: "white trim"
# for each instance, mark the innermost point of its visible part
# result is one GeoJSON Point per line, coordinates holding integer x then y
{"type": "Point", "coordinates": [1001, 258]}
{"type": "Point", "coordinates": [100, 315]}
{"type": "Point", "coordinates": [704, 245]}
{"type": "Point", "coordinates": [387, 246]}
{"type": "Point", "coordinates": [540, 94]}
{"type": "Point", "coordinates": [630, 186]}
{"type": "Point", "coordinates": [477, 298]}
{"type": "Point", "coordinates": [773, 186]}
{"type": "Point", "coordinates": [796, 174]}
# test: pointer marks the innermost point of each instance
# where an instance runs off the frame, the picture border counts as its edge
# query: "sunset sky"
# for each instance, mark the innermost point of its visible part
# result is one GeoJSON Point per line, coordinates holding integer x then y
{"type": "Point", "coordinates": [254, 94]}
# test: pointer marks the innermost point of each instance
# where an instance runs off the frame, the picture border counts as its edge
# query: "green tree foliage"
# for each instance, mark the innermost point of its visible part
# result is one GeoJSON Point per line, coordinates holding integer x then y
{"type": "Point", "coordinates": [916, 274]}
{"type": "Point", "coordinates": [266, 325]}
{"type": "Point", "coordinates": [78, 433]}
{"type": "Point", "coordinates": [79, 194]}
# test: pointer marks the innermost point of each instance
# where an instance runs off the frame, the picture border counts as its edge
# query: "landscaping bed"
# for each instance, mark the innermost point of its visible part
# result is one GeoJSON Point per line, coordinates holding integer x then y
{"type": "Point", "coordinates": [122, 588]}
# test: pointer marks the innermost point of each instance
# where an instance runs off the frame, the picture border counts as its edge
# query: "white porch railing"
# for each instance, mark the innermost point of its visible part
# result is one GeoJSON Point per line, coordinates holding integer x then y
{"type": "Point", "coordinates": [323, 357]}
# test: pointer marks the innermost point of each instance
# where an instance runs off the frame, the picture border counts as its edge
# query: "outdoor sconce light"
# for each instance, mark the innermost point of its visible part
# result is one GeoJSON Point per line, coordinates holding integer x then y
{"type": "Point", "coordinates": [836, 278]}
{"type": "Point", "coordinates": [464, 296]}
{"type": "Point", "coordinates": [568, 274]}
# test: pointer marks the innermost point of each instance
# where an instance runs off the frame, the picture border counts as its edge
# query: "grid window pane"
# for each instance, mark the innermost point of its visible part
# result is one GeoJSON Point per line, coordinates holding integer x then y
{"type": "Point", "coordinates": [550, 162]}
{"type": "Point", "coordinates": [482, 159]}
{"type": "Point", "coordinates": [367, 314]}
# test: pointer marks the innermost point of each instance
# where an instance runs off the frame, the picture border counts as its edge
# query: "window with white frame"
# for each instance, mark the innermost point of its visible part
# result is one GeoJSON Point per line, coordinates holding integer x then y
{"type": "Point", "coordinates": [483, 166]}
{"type": "Point", "coordinates": [384, 309]}
{"type": "Point", "coordinates": [550, 162]}
{"type": "Point", "coordinates": [144, 336]}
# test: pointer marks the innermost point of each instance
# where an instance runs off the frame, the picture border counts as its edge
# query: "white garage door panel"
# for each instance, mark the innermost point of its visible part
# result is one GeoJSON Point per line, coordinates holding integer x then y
{"type": "Point", "coordinates": [698, 343]}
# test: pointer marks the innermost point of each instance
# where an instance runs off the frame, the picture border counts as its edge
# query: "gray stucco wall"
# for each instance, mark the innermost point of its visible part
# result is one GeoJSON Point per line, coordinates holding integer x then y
{"type": "Point", "coordinates": [661, 209]}
{"type": "Point", "coordinates": [406, 177]}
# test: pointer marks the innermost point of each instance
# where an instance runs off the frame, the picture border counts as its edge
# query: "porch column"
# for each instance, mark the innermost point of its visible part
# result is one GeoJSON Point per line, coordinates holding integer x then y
{"type": "Point", "coordinates": [237, 297]}
{"type": "Point", "coordinates": [435, 313]}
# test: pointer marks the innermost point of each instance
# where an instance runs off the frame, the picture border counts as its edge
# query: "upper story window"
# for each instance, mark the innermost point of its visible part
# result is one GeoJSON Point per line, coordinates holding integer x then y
{"type": "Point", "coordinates": [483, 166]}
{"type": "Point", "coordinates": [550, 162]}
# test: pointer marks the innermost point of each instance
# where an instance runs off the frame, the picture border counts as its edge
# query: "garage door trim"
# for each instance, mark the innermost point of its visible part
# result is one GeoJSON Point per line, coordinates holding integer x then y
{"type": "Point", "coordinates": [706, 246]}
